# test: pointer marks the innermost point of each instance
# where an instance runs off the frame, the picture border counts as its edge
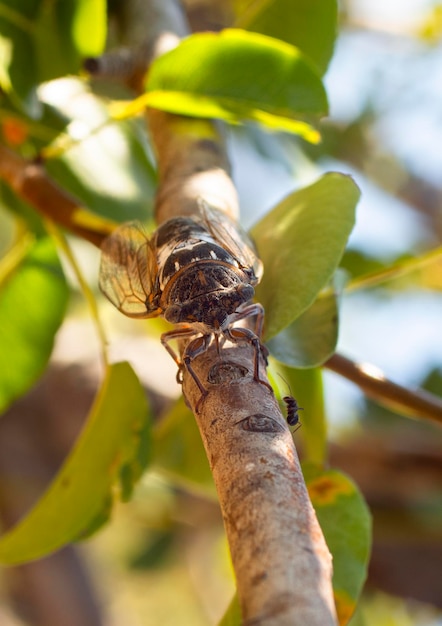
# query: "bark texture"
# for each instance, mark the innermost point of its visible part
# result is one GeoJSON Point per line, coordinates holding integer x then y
{"type": "Point", "coordinates": [282, 564]}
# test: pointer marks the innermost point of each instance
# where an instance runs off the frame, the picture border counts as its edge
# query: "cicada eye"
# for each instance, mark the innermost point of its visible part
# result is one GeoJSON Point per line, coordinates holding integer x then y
{"type": "Point", "coordinates": [246, 292]}
{"type": "Point", "coordinates": [173, 313]}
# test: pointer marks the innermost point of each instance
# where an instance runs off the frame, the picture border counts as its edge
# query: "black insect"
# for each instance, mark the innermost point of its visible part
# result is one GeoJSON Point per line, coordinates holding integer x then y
{"type": "Point", "coordinates": [198, 272]}
{"type": "Point", "coordinates": [292, 412]}
{"type": "Point", "coordinates": [292, 408]}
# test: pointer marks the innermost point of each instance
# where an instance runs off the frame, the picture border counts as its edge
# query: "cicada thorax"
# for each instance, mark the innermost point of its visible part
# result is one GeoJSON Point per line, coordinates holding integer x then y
{"type": "Point", "coordinates": [200, 281]}
{"type": "Point", "coordinates": [207, 293]}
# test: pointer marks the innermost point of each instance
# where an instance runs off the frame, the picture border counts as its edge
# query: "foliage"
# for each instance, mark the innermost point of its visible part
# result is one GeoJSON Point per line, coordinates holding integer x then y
{"type": "Point", "coordinates": [41, 41]}
{"type": "Point", "coordinates": [268, 71]}
{"type": "Point", "coordinates": [244, 76]}
{"type": "Point", "coordinates": [114, 446]}
{"type": "Point", "coordinates": [303, 239]}
{"type": "Point", "coordinates": [346, 524]}
{"type": "Point", "coordinates": [30, 277]}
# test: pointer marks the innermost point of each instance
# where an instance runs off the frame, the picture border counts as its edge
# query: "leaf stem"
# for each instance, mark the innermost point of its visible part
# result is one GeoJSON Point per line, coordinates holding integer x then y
{"type": "Point", "coordinates": [15, 256]}
{"type": "Point", "coordinates": [86, 290]}
{"type": "Point", "coordinates": [373, 279]}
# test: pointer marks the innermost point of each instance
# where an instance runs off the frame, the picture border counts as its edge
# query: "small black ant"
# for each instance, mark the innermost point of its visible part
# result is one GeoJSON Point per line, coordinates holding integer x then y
{"type": "Point", "coordinates": [292, 412]}
{"type": "Point", "coordinates": [292, 409]}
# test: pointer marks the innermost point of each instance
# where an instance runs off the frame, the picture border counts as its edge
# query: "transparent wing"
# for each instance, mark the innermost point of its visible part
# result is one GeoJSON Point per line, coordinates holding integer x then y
{"type": "Point", "coordinates": [231, 237]}
{"type": "Point", "coordinates": [128, 271]}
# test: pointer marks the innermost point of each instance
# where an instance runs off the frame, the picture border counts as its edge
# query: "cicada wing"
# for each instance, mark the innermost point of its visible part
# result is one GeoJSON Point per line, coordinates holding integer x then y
{"type": "Point", "coordinates": [231, 237]}
{"type": "Point", "coordinates": [128, 271]}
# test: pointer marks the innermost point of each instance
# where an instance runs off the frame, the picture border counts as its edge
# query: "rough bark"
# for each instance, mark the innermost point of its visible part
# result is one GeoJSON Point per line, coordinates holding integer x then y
{"type": "Point", "coordinates": [282, 564]}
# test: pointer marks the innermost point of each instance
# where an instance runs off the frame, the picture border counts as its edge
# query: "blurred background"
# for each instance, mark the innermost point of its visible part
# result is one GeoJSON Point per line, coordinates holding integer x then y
{"type": "Point", "coordinates": [163, 559]}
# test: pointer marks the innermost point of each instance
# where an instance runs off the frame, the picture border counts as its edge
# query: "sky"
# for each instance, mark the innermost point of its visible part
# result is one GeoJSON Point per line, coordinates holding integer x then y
{"type": "Point", "coordinates": [402, 78]}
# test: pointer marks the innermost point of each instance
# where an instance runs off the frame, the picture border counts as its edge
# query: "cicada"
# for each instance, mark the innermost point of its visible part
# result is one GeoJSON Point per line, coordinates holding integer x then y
{"type": "Point", "coordinates": [198, 272]}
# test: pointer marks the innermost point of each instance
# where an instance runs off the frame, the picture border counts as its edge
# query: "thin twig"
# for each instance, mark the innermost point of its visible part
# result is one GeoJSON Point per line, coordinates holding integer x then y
{"type": "Point", "coordinates": [395, 271]}
{"type": "Point", "coordinates": [412, 403]}
{"type": "Point", "coordinates": [31, 183]}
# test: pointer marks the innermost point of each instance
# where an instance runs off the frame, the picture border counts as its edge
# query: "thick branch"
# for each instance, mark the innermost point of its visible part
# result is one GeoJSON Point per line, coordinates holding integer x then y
{"type": "Point", "coordinates": [282, 564]}
{"type": "Point", "coordinates": [192, 164]}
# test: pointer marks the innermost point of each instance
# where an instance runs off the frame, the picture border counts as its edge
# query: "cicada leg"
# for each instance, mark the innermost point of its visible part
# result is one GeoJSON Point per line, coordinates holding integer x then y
{"type": "Point", "coordinates": [252, 310]}
{"type": "Point", "coordinates": [237, 335]}
{"type": "Point", "coordinates": [178, 333]}
{"type": "Point", "coordinates": [193, 349]}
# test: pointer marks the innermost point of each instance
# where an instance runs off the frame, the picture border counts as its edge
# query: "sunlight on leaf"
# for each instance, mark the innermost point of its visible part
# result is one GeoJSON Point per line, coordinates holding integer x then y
{"type": "Point", "coordinates": [104, 164]}
{"type": "Point", "coordinates": [89, 27]}
{"type": "Point", "coordinates": [33, 298]}
{"type": "Point", "coordinates": [236, 75]}
{"type": "Point", "coordinates": [311, 25]}
{"type": "Point", "coordinates": [301, 242]}
{"type": "Point", "coordinates": [346, 523]}
{"type": "Point", "coordinates": [114, 441]}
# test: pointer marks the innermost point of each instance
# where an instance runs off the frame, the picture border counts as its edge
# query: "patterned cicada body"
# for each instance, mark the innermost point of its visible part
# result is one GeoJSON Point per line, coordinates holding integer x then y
{"type": "Point", "coordinates": [198, 272]}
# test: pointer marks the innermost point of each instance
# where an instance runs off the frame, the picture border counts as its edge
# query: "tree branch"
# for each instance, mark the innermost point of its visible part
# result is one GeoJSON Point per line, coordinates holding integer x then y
{"type": "Point", "coordinates": [417, 403]}
{"type": "Point", "coordinates": [31, 183]}
{"type": "Point", "coordinates": [282, 564]}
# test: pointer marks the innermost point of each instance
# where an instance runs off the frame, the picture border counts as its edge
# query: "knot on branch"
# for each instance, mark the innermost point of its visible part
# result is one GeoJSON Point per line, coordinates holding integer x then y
{"type": "Point", "coordinates": [260, 423]}
{"type": "Point", "coordinates": [226, 372]}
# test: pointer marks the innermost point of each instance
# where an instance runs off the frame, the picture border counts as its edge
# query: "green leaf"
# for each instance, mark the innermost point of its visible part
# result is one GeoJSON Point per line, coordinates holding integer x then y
{"type": "Point", "coordinates": [179, 451]}
{"type": "Point", "coordinates": [33, 298]}
{"type": "Point", "coordinates": [232, 617]}
{"type": "Point", "coordinates": [311, 25]}
{"type": "Point", "coordinates": [306, 386]}
{"type": "Point", "coordinates": [18, 67]}
{"type": "Point", "coordinates": [346, 523]}
{"type": "Point", "coordinates": [103, 163]}
{"type": "Point", "coordinates": [40, 41]}
{"type": "Point", "coordinates": [66, 32]}
{"type": "Point", "coordinates": [53, 45]}
{"type": "Point", "coordinates": [311, 339]}
{"type": "Point", "coordinates": [79, 494]}
{"type": "Point", "coordinates": [301, 242]}
{"type": "Point", "coordinates": [22, 210]}
{"type": "Point", "coordinates": [237, 75]}
{"type": "Point", "coordinates": [19, 11]}
{"type": "Point", "coordinates": [87, 21]}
